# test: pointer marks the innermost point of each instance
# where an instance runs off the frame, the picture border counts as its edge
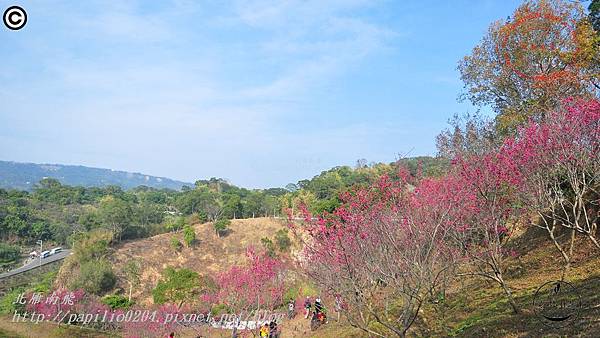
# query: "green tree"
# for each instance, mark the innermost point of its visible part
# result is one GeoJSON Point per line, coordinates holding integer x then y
{"type": "Point", "coordinates": [95, 276]}
{"type": "Point", "coordinates": [233, 206]}
{"type": "Point", "coordinates": [40, 230]}
{"type": "Point", "coordinates": [90, 219]}
{"type": "Point", "coordinates": [115, 213]}
{"type": "Point", "coordinates": [147, 212]}
{"type": "Point", "coordinates": [221, 226]}
{"type": "Point", "coordinates": [253, 204]}
{"type": "Point", "coordinates": [270, 205]}
{"type": "Point", "coordinates": [189, 235]}
{"type": "Point", "coordinates": [177, 286]}
{"type": "Point", "coordinates": [9, 253]}
{"type": "Point", "coordinates": [200, 199]}
{"type": "Point", "coordinates": [61, 231]}
{"type": "Point", "coordinates": [329, 183]}
{"type": "Point", "coordinates": [132, 272]}
{"type": "Point", "coordinates": [326, 205]}
{"type": "Point", "coordinates": [16, 225]}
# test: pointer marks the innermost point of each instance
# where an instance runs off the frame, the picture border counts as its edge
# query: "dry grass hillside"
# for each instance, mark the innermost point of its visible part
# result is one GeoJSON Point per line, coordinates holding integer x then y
{"type": "Point", "coordinates": [473, 308]}
{"type": "Point", "coordinates": [477, 308]}
{"type": "Point", "coordinates": [210, 254]}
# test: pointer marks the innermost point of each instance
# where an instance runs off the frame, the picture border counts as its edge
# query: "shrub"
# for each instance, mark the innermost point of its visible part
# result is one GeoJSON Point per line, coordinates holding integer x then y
{"type": "Point", "coordinates": [176, 244]}
{"type": "Point", "coordinates": [197, 218]}
{"type": "Point", "coordinates": [9, 253]}
{"type": "Point", "coordinates": [155, 229]}
{"type": "Point", "coordinates": [175, 223]}
{"type": "Point", "coordinates": [91, 246]}
{"type": "Point", "coordinates": [134, 231]}
{"type": "Point", "coordinates": [46, 283]}
{"type": "Point", "coordinates": [189, 235]}
{"type": "Point", "coordinates": [177, 286]}
{"type": "Point", "coordinates": [221, 226]}
{"type": "Point", "coordinates": [7, 303]}
{"type": "Point", "coordinates": [95, 277]}
{"type": "Point", "coordinates": [283, 240]}
{"type": "Point", "coordinates": [202, 217]}
{"type": "Point", "coordinates": [269, 246]}
{"type": "Point", "coordinates": [292, 293]}
{"type": "Point", "coordinates": [117, 302]}
{"type": "Point", "coordinates": [90, 220]}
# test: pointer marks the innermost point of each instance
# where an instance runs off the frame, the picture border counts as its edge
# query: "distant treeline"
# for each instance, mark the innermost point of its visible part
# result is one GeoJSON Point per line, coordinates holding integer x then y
{"type": "Point", "coordinates": [58, 212]}
{"type": "Point", "coordinates": [24, 176]}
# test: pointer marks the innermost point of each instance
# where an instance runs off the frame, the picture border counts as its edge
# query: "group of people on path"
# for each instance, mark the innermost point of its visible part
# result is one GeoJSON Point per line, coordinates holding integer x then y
{"type": "Point", "coordinates": [319, 308]}
{"type": "Point", "coordinates": [269, 330]}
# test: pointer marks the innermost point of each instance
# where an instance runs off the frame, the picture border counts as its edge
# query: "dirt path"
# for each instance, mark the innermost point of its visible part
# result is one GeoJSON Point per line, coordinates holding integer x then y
{"type": "Point", "coordinates": [45, 329]}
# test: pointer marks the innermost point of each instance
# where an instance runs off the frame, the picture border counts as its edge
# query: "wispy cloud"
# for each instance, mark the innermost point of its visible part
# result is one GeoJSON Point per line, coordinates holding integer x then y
{"type": "Point", "coordinates": [316, 40]}
{"type": "Point", "coordinates": [183, 88]}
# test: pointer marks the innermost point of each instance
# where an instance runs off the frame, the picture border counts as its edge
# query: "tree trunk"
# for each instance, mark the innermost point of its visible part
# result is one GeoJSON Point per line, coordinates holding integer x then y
{"type": "Point", "coordinates": [508, 293]}
{"type": "Point", "coordinates": [570, 255]}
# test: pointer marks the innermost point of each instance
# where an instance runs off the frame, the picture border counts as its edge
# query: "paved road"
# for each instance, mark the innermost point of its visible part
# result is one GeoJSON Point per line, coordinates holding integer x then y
{"type": "Point", "coordinates": [36, 263]}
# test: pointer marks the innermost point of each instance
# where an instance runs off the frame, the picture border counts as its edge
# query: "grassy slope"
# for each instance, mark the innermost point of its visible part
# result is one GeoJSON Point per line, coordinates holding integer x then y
{"type": "Point", "coordinates": [476, 308]}
{"type": "Point", "coordinates": [480, 309]}
{"type": "Point", "coordinates": [209, 255]}
{"type": "Point", "coordinates": [51, 330]}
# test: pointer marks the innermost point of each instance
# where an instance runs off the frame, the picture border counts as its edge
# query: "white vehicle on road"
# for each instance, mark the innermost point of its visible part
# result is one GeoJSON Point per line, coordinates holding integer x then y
{"type": "Point", "coordinates": [45, 254]}
{"type": "Point", "coordinates": [55, 250]}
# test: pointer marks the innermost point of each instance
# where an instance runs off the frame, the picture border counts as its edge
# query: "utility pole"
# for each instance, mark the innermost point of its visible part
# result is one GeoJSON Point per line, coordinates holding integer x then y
{"type": "Point", "coordinates": [40, 242]}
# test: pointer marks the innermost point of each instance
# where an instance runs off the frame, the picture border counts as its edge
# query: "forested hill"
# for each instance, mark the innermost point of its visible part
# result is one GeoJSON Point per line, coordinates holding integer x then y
{"type": "Point", "coordinates": [23, 176]}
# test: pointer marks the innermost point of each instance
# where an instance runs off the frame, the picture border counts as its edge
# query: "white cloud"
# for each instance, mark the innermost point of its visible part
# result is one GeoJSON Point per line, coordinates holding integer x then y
{"type": "Point", "coordinates": [316, 40]}
{"type": "Point", "coordinates": [132, 86]}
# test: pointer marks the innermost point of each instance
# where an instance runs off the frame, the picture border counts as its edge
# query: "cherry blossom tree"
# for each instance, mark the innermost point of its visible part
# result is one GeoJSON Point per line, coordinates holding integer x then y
{"type": "Point", "coordinates": [559, 159]}
{"type": "Point", "coordinates": [258, 285]}
{"type": "Point", "coordinates": [383, 251]}
{"type": "Point", "coordinates": [488, 214]}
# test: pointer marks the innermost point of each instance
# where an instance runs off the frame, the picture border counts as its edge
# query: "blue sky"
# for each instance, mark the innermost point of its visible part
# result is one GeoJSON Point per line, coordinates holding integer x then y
{"type": "Point", "coordinates": [260, 92]}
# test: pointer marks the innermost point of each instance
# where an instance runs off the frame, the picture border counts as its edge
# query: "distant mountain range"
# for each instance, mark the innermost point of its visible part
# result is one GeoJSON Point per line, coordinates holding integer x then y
{"type": "Point", "coordinates": [23, 176]}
